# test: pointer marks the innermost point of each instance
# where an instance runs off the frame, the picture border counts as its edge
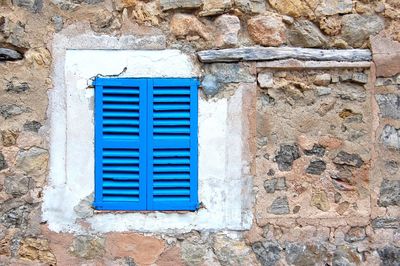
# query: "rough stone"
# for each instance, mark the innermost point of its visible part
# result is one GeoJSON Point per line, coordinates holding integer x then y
{"type": "Point", "coordinates": [352, 92]}
{"type": "Point", "coordinates": [344, 158]}
{"type": "Point", "coordinates": [231, 252]}
{"type": "Point", "coordinates": [171, 257]}
{"type": "Point", "coordinates": [323, 91]}
{"type": "Point", "coordinates": [322, 79]}
{"type": "Point", "coordinates": [58, 22]}
{"type": "Point", "coordinates": [105, 22]}
{"type": "Point", "coordinates": [11, 110]}
{"type": "Point", "coordinates": [331, 26]}
{"type": "Point", "coordinates": [184, 4]}
{"type": "Point", "coordinates": [386, 56]}
{"type": "Point", "coordinates": [356, 29]}
{"type": "Point", "coordinates": [317, 150]}
{"type": "Point", "coordinates": [286, 155]}
{"type": "Point", "coordinates": [389, 105]}
{"type": "Point", "coordinates": [230, 73]}
{"type": "Point", "coordinates": [9, 137]}
{"type": "Point", "coordinates": [360, 78]}
{"type": "Point", "coordinates": [183, 25]}
{"type": "Point", "coordinates": [143, 249]}
{"type": "Point", "coordinates": [31, 5]}
{"type": "Point", "coordinates": [32, 126]}
{"type": "Point", "coordinates": [333, 7]}
{"type": "Point", "coordinates": [3, 164]}
{"type": "Point", "coordinates": [316, 167]}
{"type": "Point", "coordinates": [251, 6]}
{"type": "Point", "coordinates": [295, 8]}
{"type": "Point", "coordinates": [389, 193]}
{"type": "Point", "coordinates": [17, 87]}
{"type": "Point", "coordinates": [305, 254]}
{"type": "Point", "coordinates": [279, 206]}
{"type": "Point", "coordinates": [210, 85]}
{"type": "Point", "coordinates": [273, 184]}
{"type": "Point", "coordinates": [265, 80]}
{"type": "Point", "coordinates": [228, 27]}
{"type": "Point", "coordinates": [304, 33]}
{"type": "Point", "coordinates": [344, 255]}
{"type": "Point", "coordinates": [386, 222]}
{"type": "Point", "coordinates": [267, 30]}
{"type": "Point", "coordinates": [17, 216]}
{"type": "Point", "coordinates": [17, 185]}
{"type": "Point", "coordinates": [390, 255]}
{"type": "Point", "coordinates": [268, 253]}
{"type": "Point", "coordinates": [33, 161]}
{"type": "Point", "coordinates": [355, 234]}
{"type": "Point", "coordinates": [36, 249]}
{"type": "Point", "coordinates": [7, 54]}
{"type": "Point", "coordinates": [88, 247]}
{"type": "Point", "coordinates": [320, 200]}
{"type": "Point", "coordinates": [84, 208]}
{"type": "Point", "coordinates": [390, 137]}
{"type": "Point", "coordinates": [193, 252]}
{"type": "Point", "coordinates": [215, 7]}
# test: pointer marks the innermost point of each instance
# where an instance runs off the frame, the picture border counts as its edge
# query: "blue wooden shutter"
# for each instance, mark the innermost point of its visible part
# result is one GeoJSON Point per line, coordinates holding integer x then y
{"type": "Point", "coordinates": [172, 144]}
{"type": "Point", "coordinates": [120, 144]}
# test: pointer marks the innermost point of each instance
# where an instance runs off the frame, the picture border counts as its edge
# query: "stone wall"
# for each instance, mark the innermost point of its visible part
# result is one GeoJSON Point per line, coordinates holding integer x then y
{"type": "Point", "coordinates": [325, 163]}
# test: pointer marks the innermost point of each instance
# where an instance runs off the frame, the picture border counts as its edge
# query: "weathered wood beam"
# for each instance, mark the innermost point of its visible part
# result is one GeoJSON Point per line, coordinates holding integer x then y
{"type": "Point", "coordinates": [297, 64]}
{"type": "Point", "coordinates": [277, 53]}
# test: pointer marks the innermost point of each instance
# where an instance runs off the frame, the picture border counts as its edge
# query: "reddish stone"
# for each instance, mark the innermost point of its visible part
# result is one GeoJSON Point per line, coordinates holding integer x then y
{"type": "Point", "coordinates": [386, 56]}
{"type": "Point", "coordinates": [143, 249]}
{"type": "Point", "coordinates": [330, 142]}
{"type": "Point", "coordinates": [171, 257]}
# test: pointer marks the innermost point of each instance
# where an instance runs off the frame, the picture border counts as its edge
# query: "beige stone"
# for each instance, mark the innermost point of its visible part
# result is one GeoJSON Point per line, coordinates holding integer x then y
{"type": "Point", "coordinates": [215, 7]}
{"type": "Point", "coordinates": [386, 56]}
{"type": "Point", "coordinates": [36, 249]}
{"type": "Point", "coordinates": [330, 25]}
{"type": "Point", "coordinates": [267, 30]}
{"type": "Point", "coordinates": [183, 25]}
{"type": "Point", "coordinates": [295, 8]}
{"type": "Point", "coordinates": [143, 249]}
{"type": "Point", "coordinates": [33, 161]}
{"type": "Point", "coordinates": [171, 257]}
{"type": "Point", "coordinates": [9, 137]}
{"type": "Point", "coordinates": [40, 56]}
{"type": "Point", "coordinates": [332, 7]}
{"type": "Point", "coordinates": [227, 29]}
{"type": "Point", "coordinates": [320, 200]}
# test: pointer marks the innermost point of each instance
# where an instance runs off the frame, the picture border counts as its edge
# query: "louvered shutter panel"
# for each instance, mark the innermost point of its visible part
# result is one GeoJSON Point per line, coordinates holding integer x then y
{"type": "Point", "coordinates": [120, 144]}
{"type": "Point", "coordinates": [172, 144]}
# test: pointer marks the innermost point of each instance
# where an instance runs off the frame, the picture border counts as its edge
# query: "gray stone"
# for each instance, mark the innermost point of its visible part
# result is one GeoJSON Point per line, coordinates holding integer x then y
{"type": "Point", "coordinates": [305, 254]}
{"type": "Point", "coordinates": [251, 6]}
{"type": "Point", "coordinates": [88, 247]}
{"type": "Point", "coordinates": [231, 251]}
{"type": "Point", "coordinates": [210, 85]}
{"type": "Point", "coordinates": [58, 22]}
{"type": "Point", "coordinates": [389, 105]}
{"type": "Point", "coordinates": [17, 87]}
{"type": "Point", "coordinates": [193, 252]}
{"type": "Point", "coordinates": [92, 2]}
{"type": "Point", "coordinates": [389, 193]}
{"type": "Point", "coordinates": [17, 216]}
{"type": "Point", "coordinates": [386, 222]}
{"type": "Point", "coordinates": [390, 255]}
{"type": "Point", "coordinates": [230, 73]}
{"type": "Point", "coordinates": [356, 233]}
{"type": "Point", "coordinates": [356, 29]}
{"type": "Point", "coordinates": [265, 80]}
{"type": "Point", "coordinates": [33, 161]}
{"type": "Point", "coordinates": [279, 206]}
{"type": "Point", "coordinates": [84, 208]}
{"type": "Point", "coordinates": [317, 150]}
{"type": "Point", "coordinates": [228, 27]}
{"type": "Point", "coordinates": [316, 167]}
{"type": "Point", "coordinates": [332, 7]}
{"type": "Point", "coordinates": [351, 159]}
{"type": "Point", "coordinates": [184, 4]}
{"type": "Point", "coordinates": [345, 256]}
{"type": "Point", "coordinates": [3, 164]}
{"type": "Point", "coordinates": [9, 54]}
{"type": "Point", "coordinates": [352, 92]}
{"type": "Point", "coordinates": [385, 82]}
{"type": "Point", "coordinates": [392, 167]}
{"type": "Point", "coordinates": [322, 79]}
{"type": "Point", "coordinates": [33, 126]}
{"type": "Point", "coordinates": [273, 184]}
{"type": "Point", "coordinates": [390, 137]}
{"type": "Point", "coordinates": [215, 7]}
{"type": "Point", "coordinates": [266, 99]}
{"type": "Point", "coordinates": [322, 91]}
{"type": "Point", "coordinates": [32, 5]}
{"type": "Point", "coordinates": [304, 33]}
{"type": "Point", "coordinates": [360, 78]}
{"type": "Point", "coordinates": [17, 185]}
{"type": "Point", "coordinates": [267, 253]}
{"type": "Point", "coordinates": [11, 110]}
{"type": "Point", "coordinates": [287, 154]}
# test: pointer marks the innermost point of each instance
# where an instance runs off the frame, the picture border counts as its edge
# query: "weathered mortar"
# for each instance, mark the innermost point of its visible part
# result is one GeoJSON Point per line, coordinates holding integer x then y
{"type": "Point", "coordinates": [326, 169]}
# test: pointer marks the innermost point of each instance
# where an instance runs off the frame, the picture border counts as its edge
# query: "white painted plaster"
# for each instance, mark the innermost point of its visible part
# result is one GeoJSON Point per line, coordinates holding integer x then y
{"type": "Point", "coordinates": [223, 177]}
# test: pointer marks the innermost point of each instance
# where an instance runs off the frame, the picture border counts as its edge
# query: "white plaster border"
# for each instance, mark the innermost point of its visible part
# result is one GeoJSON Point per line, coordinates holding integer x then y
{"type": "Point", "coordinates": [225, 181]}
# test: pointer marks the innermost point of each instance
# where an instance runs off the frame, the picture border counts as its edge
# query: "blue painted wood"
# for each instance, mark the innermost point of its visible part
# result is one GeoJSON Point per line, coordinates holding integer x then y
{"type": "Point", "coordinates": [146, 155]}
